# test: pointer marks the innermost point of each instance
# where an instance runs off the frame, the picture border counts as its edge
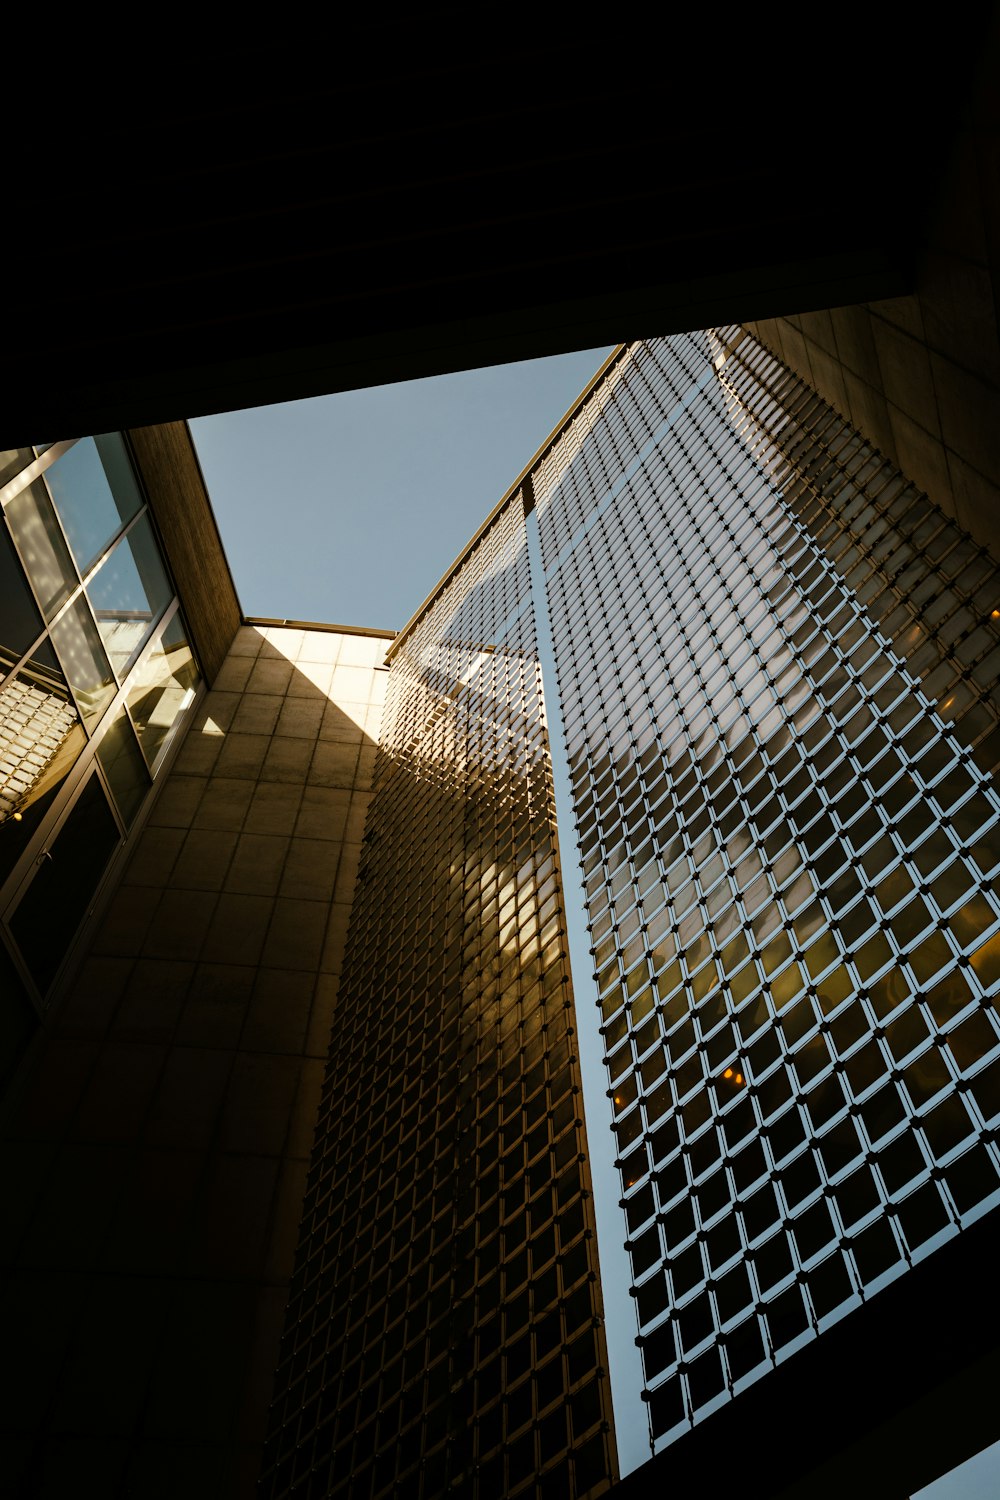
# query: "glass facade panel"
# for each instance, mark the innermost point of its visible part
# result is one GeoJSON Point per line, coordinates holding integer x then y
{"type": "Point", "coordinates": [45, 922]}
{"type": "Point", "coordinates": [78, 643]}
{"type": "Point", "coordinates": [124, 766]}
{"type": "Point", "coordinates": [161, 688]}
{"type": "Point", "coordinates": [43, 549]}
{"type": "Point", "coordinates": [128, 593]}
{"type": "Point", "coordinates": [20, 622]}
{"type": "Point", "coordinates": [95, 493]}
{"type": "Point", "coordinates": [41, 738]}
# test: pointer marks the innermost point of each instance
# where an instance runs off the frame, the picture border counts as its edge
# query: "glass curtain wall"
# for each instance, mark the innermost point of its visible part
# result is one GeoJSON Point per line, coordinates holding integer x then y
{"type": "Point", "coordinates": [777, 666]}
{"type": "Point", "coordinates": [96, 672]}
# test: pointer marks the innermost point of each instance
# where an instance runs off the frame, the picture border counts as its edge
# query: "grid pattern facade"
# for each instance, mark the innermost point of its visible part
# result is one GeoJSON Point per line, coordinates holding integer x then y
{"type": "Point", "coordinates": [444, 1333]}
{"type": "Point", "coordinates": [777, 665]}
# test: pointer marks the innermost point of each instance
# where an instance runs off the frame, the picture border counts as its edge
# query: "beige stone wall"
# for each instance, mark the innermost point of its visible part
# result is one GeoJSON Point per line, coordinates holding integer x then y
{"type": "Point", "coordinates": [156, 1160]}
{"type": "Point", "coordinates": [920, 375]}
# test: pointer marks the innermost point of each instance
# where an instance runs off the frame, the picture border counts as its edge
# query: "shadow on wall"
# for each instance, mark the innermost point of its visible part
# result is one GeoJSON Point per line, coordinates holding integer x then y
{"type": "Point", "coordinates": [156, 1159]}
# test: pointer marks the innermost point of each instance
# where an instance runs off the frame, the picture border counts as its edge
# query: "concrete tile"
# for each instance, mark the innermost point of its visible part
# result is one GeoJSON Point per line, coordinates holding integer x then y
{"type": "Point", "coordinates": [906, 375]}
{"type": "Point", "coordinates": [127, 921]}
{"type": "Point", "coordinates": [203, 863]}
{"type": "Point", "coordinates": [357, 816]}
{"type": "Point", "coordinates": [229, 1233]}
{"type": "Point", "coordinates": [52, 1091]}
{"type": "Point", "coordinates": [319, 646]}
{"type": "Point", "coordinates": [869, 412]}
{"type": "Point", "coordinates": [224, 804]}
{"type": "Point", "coordinates": [153, 1000]}
{"type": "Point", "coordinates": [247, 641]}
{"type": "Point", "coordinates": [258, 1108]}
{"type": "Point", "coordinates": [280, 1011]}
{"type": "Point", "coordinates": [310, 678]}
{"type": "Point", "coordinates": [852, 329]}
{"type": "Point", "coordinates": [977, 503]}
{"type": "Point", "coordinates": [120, 1092]}
{"type": "Point", "coordinates": [280, 1254]}
{"type": "Point", "coordinates": [196, 1379]}
{"type": "Point", "coordinates": [234, 674]}
{"type": "Point", "coordinates": [270, 677]}
{"type": "Point", "coordinates": [96, 990]}
{"type": "Point", "coordinates": [347, 873]}
{"type": "Point", "coordinates": [198, 753]}
{"type": "Point", "coordinates": [310, 869]}
{"type": "Point", "coordinates": [352, 684]}
{"type": "Point", "coordinates": [258, 864]}
{"type": "Point", "coordinates": [969, 420]}
{"type": "Point", "coordinates": [301, 717]}
{"type": "Point", "coordinates": [362, 651]}
{"type": "Point", "coordinates": [334, 764]}
{"type": "Point", "coordinates": [242, 754]}
{"type": "Point", "coordinates": [285, 640]}
{"type": "Point", "coordinates": [216, 713]}
{"type": "Point", "coordinates": [153, 856]}
{"type": "Point", "coordinates": [317, 1042]}
{"type": "Point", "coordinates": [24, 1170]}
{"type": "Point", "coordinates": [336, 937]}
{"type": "Point", "coordinates": [149, 1230]}
{"type": "Point", "coordinates": [177, 801]}
{"type": "Point", "coordinates": [366, 766]}
{"type": "Point", "coordinates": [829, 380]}
{"type": "Point", "coordinates": [257, 713]}
{"type": "Point", "coordinates": [274, 808]}
{"type": "Point", "coordinates": [267, 1324]}
{"type": "Point", "coordinates": [237, 930]}
{"type": "Point", "coordinates": [287, 759]}
{"type": "Point", "coordinates": [102, 1386]}
{"type": "Point", "coordinates": [303, 1123]}
{"type": "Point", "coordinates": [76, 1206]}
{"type": "Point", "coordinates": [39, 1311]}
{"type": "Point", "coordinates": [189, 1100]}
{"type": "Point", "coordinates": [181, 922]}
{"type": "Point", "coordinates": [338, 726]}
{"type": "Point", "coordinates": [922, 458]}
{"type": "Point", "coordinates": [296, 935]}
{"type": "Point", "coordinates": [323, 813]}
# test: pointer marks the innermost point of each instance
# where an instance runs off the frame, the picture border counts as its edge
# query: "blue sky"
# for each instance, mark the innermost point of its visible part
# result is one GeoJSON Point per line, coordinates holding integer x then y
{"type": "Point", "coordinates": [347, 509]}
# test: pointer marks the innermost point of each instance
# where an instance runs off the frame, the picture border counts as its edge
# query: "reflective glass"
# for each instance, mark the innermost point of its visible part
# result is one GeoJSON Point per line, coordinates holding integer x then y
{"type": "Point", "coordinates": [43, 550]}
{"type": "Point", "coordinates": [128, 594]}
{"type": "Point", "coordinates": [48, 916]}
{"type": "Point", "coordinates": [20, 622]}
{"type": "Point", "coordinates": [161, 688]}
{"type": "Point", "coordinates": [95, 493]}
{"type": "Point", "coordinates": [40, 739]}
{"type": "Point", "coordinates": [124, 766]}
{"type": "Point", "coordinates": [78, 645]}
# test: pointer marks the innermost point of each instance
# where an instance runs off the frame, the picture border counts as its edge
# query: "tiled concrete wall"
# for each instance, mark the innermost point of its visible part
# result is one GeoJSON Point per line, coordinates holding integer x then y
{"type": "Point", "coordinates": [920, 375]}
{"type": "Point", "coordinates": [154, 1166]}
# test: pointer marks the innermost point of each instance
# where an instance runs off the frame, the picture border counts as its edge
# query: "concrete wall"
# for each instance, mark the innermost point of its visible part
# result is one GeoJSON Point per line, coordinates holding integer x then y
{"type": "Point", "coordinates": [154, 1163]}
{"type": "Point", "coordinates": [920, 375]}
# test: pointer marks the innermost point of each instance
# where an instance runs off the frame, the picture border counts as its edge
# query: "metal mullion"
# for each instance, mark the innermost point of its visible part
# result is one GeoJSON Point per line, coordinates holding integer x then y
{"type": "Point", "coordinates": [34, 470]}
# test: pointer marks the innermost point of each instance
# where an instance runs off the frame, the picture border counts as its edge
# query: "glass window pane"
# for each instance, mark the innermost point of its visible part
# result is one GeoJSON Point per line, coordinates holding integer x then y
{"type": "Point", "coordinates": [124, 766]}
{"type": "Point", "coordinates": [46, 921]}
{"type": "Point", "coordinates": [40, 739]}
{"type": "Point", "coordinates": [78, 643]}
{"type": "Point", "coordinates": [128, 593]}
{"type": "Point", "coordinates": [162, 687]}
{"type": "Point", "coordinates": [20, 622]}
{"type": "Point", "coordinates": [18, 1019]}
{"type": "Point", "coordinates": [95, 494]}
{"type": "Point", "coordinates": [43, 551]}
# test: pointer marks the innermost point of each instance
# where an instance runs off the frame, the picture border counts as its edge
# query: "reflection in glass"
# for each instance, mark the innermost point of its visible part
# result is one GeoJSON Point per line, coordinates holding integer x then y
{"type": "Point", "coordinates": [95, 494]}
{"type": "Point", "coordinates": [40, 740]}
{"type": "Point", "coordinates": [20, 622]}
{"type": "Point", "coordinates": [43, 551]}
{"type": "Point", "coordinates": [124, 766]}
{"type": "Point", "coordinates": [161, 688]}
{"type": "Point", "coordinates": [76, 639]}
{"type": "Point", "coordinates": [128, 593]}
{"type": "Point", "coordinates": [46, 921]}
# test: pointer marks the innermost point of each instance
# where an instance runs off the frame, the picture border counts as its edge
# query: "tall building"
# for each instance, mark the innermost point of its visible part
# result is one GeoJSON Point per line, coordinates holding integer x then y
{"type": "Point", "coordinates": [753, 670]}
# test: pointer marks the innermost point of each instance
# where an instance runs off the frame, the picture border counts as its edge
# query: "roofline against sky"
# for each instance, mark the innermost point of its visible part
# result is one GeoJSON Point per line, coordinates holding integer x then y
{"type": "Point", "coordinates": [506, 498]}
